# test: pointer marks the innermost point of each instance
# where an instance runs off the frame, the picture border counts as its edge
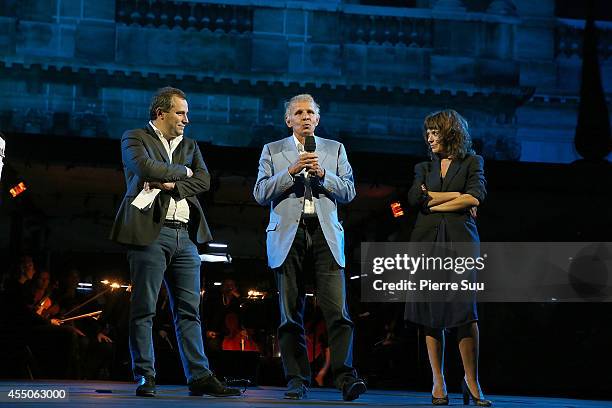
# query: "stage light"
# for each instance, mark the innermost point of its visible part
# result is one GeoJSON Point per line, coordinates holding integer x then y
{"type": "Point", "coordinates": [225, 258]}
{"type": "Point", "coordinates": [217, 283]}
{"type": "Point", "coordinates": [111, 286]}
{"type": "Point", "coordinates": [216, 252]}
{"type": "Point", "coordinates": [216, 245]}
{"type": "Point", "coordinates": [355, 277]}
{"type": "Point", "coordinates": [18, 189]}
{"type": "Point", "coordinates": [255, 294]}
{"type": "Point", "coordinates": [116, 285]}
{"type": "Point", "coordinates": [396, 209]}
{"type": "Point", "coordinates": [86, 287]}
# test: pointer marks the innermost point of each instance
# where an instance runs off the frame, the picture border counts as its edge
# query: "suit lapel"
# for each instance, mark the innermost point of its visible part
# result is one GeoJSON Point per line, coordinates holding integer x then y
{"type": "Point", "coordinates": [158, 143]}
{"type": "Point", "coordinates": [291, 154]}
{"type": "Point", "coordinates": [290, 150]}
{"type": "Point", "coordinates": [450, 174]}
{"type": "Point", "coordinates": [179, 152]}
{"type": "Point", "coordinates": [321, 150]}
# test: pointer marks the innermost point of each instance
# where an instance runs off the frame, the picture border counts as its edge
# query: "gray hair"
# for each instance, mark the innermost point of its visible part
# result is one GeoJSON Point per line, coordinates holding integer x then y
{"type": "Point", "coordinates": [300, 98]}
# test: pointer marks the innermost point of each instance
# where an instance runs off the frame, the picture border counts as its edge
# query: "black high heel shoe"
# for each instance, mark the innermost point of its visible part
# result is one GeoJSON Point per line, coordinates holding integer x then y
{"type": "Point", "coordinates": [467, 394]}
{"type": "Point", "coordinates": [439, 401]}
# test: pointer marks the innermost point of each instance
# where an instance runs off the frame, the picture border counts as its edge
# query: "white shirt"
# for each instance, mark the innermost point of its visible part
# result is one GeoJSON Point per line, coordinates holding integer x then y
{"type": "Point", "coordinates": [177, 210]}
{"type": "Point", "coordinates": [309, 207]}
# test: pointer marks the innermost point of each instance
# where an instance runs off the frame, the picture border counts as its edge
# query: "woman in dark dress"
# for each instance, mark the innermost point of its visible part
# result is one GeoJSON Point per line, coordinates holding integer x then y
{"type": "Point", "coordinates": [448, 189]}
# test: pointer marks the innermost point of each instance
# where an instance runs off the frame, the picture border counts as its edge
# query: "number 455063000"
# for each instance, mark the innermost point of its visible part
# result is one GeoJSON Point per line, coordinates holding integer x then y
{"type": "Point", "coordinates": [36, 394]}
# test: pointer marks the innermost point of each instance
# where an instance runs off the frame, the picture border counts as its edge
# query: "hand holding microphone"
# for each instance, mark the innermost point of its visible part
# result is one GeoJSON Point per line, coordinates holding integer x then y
{"type": "Point", "coordinates": [314, 170]}
{"type": "Point", "coordinates": [304, 161]}
{"type": "Point", "coordinates": [308, 160]}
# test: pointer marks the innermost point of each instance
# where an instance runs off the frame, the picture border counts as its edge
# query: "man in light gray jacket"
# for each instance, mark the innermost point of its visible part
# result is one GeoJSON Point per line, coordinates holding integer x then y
{"type": "Point", "coordinates": [303, 178]}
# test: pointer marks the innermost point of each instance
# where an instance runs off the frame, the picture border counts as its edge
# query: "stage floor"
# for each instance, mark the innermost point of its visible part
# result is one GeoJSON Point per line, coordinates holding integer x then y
{"type": "Point", "coordinates": [121, 394]}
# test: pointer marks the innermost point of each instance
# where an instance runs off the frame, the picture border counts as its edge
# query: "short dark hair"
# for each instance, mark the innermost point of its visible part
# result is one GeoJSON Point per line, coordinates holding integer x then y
{"type": "Point", "coordinates": [163, 100]}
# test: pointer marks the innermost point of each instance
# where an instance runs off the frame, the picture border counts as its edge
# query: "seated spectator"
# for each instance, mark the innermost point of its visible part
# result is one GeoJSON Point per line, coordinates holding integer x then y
{"type": "Point", "coordinates": [23, 272]}
{"type": "Point", "coordinates": [42, 296]}
{"type": "Point", "coordinates": [236, 338]}
{"type": "Point", "coordinates": [215, 311]}
{"type": "Point", "coordinates": [95, 346]}
{"type": "Point", "coordinates": [54, 347]}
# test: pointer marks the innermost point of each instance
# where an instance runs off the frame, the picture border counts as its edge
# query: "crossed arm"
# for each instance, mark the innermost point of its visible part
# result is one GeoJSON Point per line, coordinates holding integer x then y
{"type": "Point", "coordinates": [438, 198]}
{"type": "Point", "coordinates": [451, 201]}
{"type": "Point", "coordinates": [195, 184]}
{"type": "Point", "coordinates": [135, 157]}
{"type": "Point", "coordinates": [176, 179]}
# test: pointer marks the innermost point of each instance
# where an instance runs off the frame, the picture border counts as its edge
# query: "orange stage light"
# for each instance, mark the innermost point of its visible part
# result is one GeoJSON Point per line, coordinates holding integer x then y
{"type": "Point", "coordinates": [18, 189]}
{"type": "Point", "coordinates": [396, 209]}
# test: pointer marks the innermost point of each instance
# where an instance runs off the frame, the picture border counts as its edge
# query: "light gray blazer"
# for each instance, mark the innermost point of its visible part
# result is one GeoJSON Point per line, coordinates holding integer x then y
{"type": "Point", "coordinates": [275, 187]}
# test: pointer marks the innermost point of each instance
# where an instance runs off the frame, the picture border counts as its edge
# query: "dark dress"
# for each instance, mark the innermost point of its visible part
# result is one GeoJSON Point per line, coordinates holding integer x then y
{"type": "Point", "coordinates": [465, 176]}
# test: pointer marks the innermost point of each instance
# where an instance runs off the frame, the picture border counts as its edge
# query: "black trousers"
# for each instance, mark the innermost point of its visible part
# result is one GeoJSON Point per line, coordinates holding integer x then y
{"type": "Point", "coordinates": [310, 257]}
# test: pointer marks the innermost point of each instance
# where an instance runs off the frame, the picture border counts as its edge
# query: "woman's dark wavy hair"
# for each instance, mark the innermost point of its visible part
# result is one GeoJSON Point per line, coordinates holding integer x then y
{"type": "Point", "coordinates": [454, 134]}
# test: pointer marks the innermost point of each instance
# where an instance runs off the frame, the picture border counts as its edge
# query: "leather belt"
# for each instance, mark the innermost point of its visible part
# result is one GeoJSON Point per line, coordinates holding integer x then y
{"type": "Point", "coordinates": [175, 224]}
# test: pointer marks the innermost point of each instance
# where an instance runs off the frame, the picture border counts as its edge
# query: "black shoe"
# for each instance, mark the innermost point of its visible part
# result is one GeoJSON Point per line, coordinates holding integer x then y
{"type": "Point", "coordinates": [212, 386]}
{"type": "Point", "coordinates": [146, 387]}
{"type": "Point", "coordinates": [296, 390]}
{"type": "Point", "coordinates": [467, 394]}
{"type": "Point", "coordinates": [353, 388]}
{"type": "Point", "coordinates": [439, 401]}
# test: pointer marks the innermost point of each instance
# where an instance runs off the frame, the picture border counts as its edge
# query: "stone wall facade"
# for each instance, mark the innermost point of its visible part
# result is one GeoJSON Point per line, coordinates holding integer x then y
{"type": "Point", "coordinates": [88, 68]}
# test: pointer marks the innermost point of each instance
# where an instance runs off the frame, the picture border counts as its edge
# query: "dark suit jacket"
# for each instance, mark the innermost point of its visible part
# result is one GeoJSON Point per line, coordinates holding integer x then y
{"type": "Point", "coordinates": [145, 159]}
{"type": "Point", "coordinates": [465, 176]}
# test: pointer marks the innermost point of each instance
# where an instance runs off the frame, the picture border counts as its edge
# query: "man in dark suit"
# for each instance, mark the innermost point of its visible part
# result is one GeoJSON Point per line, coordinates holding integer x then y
{"type": "Point", "coordinates": [303, 190]}
{"type": "Point", "coordinates": [160, 219]}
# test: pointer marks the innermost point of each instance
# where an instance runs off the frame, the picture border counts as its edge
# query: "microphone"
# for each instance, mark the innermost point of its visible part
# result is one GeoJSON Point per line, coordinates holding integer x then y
{"type": "Point", "coordinates": [309, 144]}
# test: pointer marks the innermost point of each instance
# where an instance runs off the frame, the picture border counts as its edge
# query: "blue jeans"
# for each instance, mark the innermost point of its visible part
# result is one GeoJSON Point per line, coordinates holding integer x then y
{"type": "Point", "coordinates": [172, 258]}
